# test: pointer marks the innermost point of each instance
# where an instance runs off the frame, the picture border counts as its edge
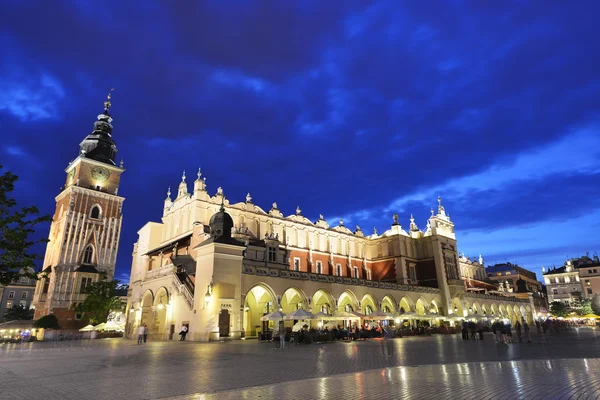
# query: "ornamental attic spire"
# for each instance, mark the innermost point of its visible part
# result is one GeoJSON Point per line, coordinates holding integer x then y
{"type": "Point", "coordinates": [183, 190]}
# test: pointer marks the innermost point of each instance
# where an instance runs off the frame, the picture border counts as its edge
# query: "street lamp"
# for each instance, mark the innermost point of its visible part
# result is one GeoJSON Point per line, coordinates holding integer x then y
{"type": "Point", "coordinates": [207, 296]}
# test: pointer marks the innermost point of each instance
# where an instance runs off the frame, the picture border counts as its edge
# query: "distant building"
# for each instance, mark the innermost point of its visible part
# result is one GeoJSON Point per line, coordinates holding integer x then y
{"type": "Point", "coordinates": [514, 280]}
{"type": "Point", "coordinates": [19, 292]}
{"type": "Point", "coordinates": [507, 275]}
{"type": "Point", "coordinates": [472, 272]}
{"type": "Point", "coordinates": [562, 283]}
{"type": "Point", "coordinates": [589, 275]}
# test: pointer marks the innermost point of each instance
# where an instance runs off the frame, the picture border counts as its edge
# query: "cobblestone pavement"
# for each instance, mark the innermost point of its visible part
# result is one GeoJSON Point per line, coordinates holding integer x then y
{"type": "Point", "coordinates": [555, 366]}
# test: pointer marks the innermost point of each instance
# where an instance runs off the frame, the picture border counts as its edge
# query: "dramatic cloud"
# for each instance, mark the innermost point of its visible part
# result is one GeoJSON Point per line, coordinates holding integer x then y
{"type": "Point", "coordinates": [347, 110]}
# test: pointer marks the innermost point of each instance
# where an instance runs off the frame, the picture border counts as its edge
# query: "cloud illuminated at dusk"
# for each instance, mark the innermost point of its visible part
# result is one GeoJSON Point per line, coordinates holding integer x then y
{"type": "Point", "coordinates": [346, 110]}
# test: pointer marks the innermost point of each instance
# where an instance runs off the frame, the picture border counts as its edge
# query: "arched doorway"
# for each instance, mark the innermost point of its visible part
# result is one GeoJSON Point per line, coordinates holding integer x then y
{"type": "Point", "coordinates": [421, 306]}
{"type": "Point", "coordinates": [161, 307]}
{"type": "Point", "coordinates": [322, 301]}
{"type": "Point", "coordinates": [388, 304]}
{"type": "Point", "coordinates": [368, 304]}
{"type": "Point", "coordinates": [259, 300]}
{"type": "Point", "coordinates": [458, 308]}
{"type": "Point", "coordinates": [406, 305]}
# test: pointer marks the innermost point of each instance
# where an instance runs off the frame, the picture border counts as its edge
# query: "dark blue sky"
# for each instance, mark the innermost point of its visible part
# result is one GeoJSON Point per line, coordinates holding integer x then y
{"type": "Point", "coordinates": [349, 109]}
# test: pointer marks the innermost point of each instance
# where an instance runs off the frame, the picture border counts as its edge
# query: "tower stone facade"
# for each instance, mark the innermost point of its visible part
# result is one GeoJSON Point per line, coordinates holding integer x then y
{"type": "Point", "coordinates": [86, 226]}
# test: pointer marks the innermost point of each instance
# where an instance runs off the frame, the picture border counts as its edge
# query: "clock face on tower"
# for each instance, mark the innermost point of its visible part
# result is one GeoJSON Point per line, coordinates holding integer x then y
{"type": "Point", "coordinates": [100, 174]}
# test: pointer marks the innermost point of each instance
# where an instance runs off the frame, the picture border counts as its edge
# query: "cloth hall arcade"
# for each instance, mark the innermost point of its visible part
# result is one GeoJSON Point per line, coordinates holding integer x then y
{"type": "Point", "coordinates": [218, 267]}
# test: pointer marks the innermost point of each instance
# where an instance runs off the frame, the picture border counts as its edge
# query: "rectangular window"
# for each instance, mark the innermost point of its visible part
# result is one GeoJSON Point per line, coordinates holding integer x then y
{"type": "Point", "coordinates": [272, 254]}
{"type": "Point", "coordinates": [296, 264]}
{"type": "Point", "coordinates": [85, 282]}
{"type": "Point", "coordinates": [23, 303]}
{"type": "Point", "coordinates": [46, 286]}
{"type": "Point", "coordinates": [356, 272]}
{"type": "Point", "coordinates": [595, 271]}
{"type": "Point", "coordinates": [9, 304]}
{"type": "Point", "coordinates": [412, 271]}
{"type": "Point", "coordinates": [11, 294]}
{"type": "Point", "coordinates": [554, 291]}
{"type": "Point", "coordinates": [508, 273]}
{"type": "Point", "coordinates": [24, 295]}
{"type": "Point", "coordinates": [587, 282]}
{"type": "Point", "coordinates": [319, 267]}
{"type": "Point", "coordinates": [589, 290]}
{"type": "Point", "coordinates": [338, 270]}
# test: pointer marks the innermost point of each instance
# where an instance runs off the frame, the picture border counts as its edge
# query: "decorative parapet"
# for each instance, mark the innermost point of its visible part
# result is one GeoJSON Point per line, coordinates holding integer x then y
{"type": "Point", "coordinates": [343, 280]}
{"type": "Point", "coordinates": [160, 272]}
{"type": "Point", "coordinates": [496, 297]}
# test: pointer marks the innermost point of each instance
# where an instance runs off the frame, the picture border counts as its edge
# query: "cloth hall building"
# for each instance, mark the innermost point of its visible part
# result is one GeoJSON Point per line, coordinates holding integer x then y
{"type": "Point", "coordinates": [218, 267]}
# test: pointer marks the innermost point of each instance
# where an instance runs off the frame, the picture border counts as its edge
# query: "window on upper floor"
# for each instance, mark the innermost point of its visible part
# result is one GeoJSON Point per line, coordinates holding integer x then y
{"type": "Point", "coordinates": [11, 294]}
{"type": "Point", "coordinates": [296, 264]}
{"type": "Point", "coordinates": [589, 290]}
{"type": "Point", "coordinates": [88, 254]}
{"type": "Point", "coordinates": [595, 271]}
{"type": "Point", "coordinates": [272, 254]}
{"type": "Point", "coordinates": [95, 212]}
{"type": "Point", "coordinates": [355, 269]}
{"type": "Point", "coordinates": [499, 273]}
{"type": "Point", "coordinates": [23, 295]}
{"type": "Point", "coordinates": [587, 282]}
{"type": "Point", "coordinates": [369, 276]}
{"type": "Point", "coordinates": [46, 285]}
{"type": "Point", "coordinates": [338, 270]}
{"type": "Point", "coordinates": [9, 304]}
{"type": "Point", "coordinates": [24, 280]}
{"type": "Point", "coordinates": [508, 273]}
{"type": "Point", "coordinates": [554, 291]}
{"type": "Point", "coordinates": [85, 282]}
{"type": "Point", "coordinates": [319, 267]}
{"type": "Point", "coordinates": [23, 303]}
{"type": "Point", "coordinates": [412, 273]}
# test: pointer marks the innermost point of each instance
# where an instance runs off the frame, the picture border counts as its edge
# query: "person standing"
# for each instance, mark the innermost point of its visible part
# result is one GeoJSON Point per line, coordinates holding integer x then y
{"type": "Point", "coordinates": [183, 333]}
{"type": "Point", "coordinates": [141, 334]}
{"type": "Point", "coordinates": [526, 327]}
{"type": "Point", "coordinates": [519, 333]}
{"type": "Point", "coordinates": [145, 333]}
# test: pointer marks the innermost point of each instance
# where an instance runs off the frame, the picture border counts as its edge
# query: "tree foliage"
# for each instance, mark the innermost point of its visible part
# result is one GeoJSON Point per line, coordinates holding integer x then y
{"type": "Point", "coordinates": [47, 322]}
{"type": "Point", "coordinates": [18, 312]}
{"type": "Point", "coordinates": [582, 305]}
{"type": "Point", "coordinates": [596, 304]}
{"type": "Point", "coordinates": [16, 227]}
{"type": "Point", "coordinates": [558, 309]}
{"type": "Point", "coordinates": [102, 298]}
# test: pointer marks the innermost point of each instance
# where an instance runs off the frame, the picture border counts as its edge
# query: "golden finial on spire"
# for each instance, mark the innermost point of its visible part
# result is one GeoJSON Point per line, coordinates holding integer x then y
{"type": "Point", "coordinates": [107, 103]}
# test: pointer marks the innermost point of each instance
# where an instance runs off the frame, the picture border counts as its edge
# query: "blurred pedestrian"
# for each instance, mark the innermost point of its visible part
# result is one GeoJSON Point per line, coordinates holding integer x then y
{"type": "Point", "coordinates": [526, 327]}
{"type": "Point", "coordinates": [145, 332]}
{"type": "Point", "coordinates": [141, 331]}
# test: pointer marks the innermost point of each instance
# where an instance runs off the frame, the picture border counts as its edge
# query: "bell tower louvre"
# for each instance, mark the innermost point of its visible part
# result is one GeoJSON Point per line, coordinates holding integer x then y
{"type": "Point", "coordinates": [84, 234]}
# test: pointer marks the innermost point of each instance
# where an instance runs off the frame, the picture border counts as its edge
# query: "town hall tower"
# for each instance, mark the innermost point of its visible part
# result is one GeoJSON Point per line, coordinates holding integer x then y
{"type": "Point", "coordinates": [84, 235]}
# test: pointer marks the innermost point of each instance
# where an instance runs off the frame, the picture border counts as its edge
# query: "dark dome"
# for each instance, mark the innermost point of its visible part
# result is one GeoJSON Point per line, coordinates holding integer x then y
{"type": "Point", "coordinates": [99, 144]}
{"type": "Point", "coordinates": [221, 224]}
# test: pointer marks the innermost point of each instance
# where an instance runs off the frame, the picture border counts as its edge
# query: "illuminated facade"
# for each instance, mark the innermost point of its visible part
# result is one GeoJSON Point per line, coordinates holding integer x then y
{"type": "Point", "coordinates": [85, 230]}
{"type": "Point", "coordinates": [562, 284]}
{"type": "Point", "coordinates": [219, 266]}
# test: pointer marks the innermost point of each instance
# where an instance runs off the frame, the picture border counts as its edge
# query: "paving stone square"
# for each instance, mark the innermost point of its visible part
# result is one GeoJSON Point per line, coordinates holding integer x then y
{"type": "Point", "coordinates": [565, 365]}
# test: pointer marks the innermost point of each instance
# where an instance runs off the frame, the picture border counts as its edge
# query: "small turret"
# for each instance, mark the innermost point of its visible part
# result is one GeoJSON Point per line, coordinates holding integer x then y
{"type": "Point", "coordinates": [183, 190]}
{"type": "Point", "coordinates": [199, 183]}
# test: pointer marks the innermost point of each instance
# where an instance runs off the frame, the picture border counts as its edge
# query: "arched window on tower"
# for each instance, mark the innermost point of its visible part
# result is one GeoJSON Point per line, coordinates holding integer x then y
{"type": "Point", "coordinates": [95, 212]}
{"type": "Point", "coordinates": [88, 254]}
